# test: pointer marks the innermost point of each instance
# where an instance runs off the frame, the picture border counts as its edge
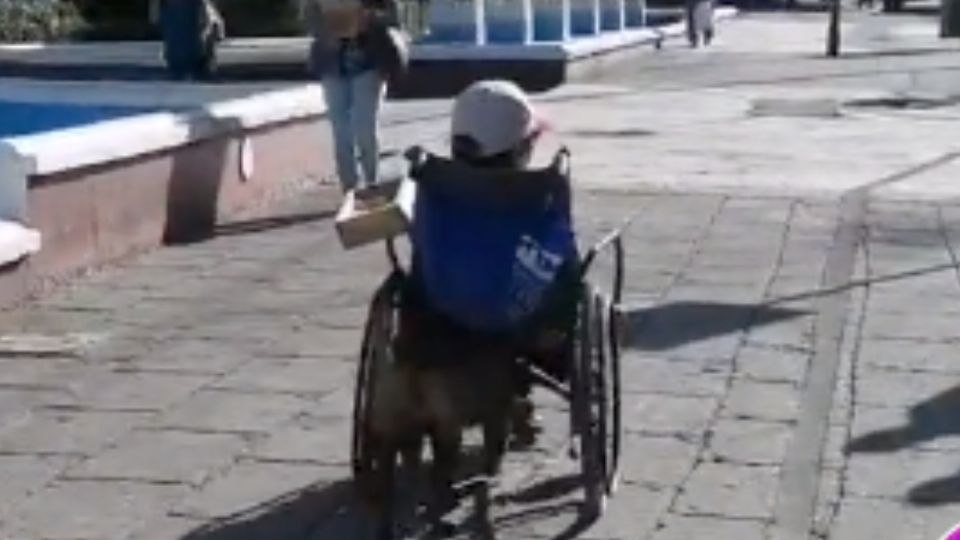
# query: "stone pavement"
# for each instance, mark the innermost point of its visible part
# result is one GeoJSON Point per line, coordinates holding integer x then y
{"type": "Point", "coordinates": [792, 291]}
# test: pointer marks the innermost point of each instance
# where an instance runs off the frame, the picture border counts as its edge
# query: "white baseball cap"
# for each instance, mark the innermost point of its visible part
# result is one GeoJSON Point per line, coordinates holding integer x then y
{"type": "Point", "coordinates": [496, 114]}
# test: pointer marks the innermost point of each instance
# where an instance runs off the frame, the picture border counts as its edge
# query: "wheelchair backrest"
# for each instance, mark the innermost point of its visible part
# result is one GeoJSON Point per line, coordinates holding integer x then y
{"type": "Point", "coordinates": [489, 243]}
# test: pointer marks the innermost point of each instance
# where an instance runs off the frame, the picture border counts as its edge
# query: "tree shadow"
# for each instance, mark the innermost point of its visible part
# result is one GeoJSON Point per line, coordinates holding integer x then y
{"type": "Point", "coordinates": [933, 418]}
{"type": "Point", "coordinates": [671, 325]}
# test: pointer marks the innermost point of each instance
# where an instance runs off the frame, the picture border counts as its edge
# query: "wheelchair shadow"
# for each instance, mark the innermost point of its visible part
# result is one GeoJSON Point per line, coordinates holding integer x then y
{"type": "Point", "coordinates": [332, 512]}
{"type": "Point", "coordinates": [319, 512]}
{"type": "Point", "coordinates": [671, 325]}
{"type": "Point", "coordinates": [931, 419]}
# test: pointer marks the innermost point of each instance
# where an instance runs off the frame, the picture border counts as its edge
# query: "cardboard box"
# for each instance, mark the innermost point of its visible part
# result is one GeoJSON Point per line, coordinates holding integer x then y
{"type": "Point", "coordinates": [376, 213]}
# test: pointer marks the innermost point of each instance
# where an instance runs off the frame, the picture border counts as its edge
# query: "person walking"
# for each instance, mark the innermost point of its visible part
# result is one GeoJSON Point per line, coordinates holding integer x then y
{"type": "Point", "coordinates": [191, 30]}
{"type": "Point", "coordinates": [352, 55]}
{"type": "Point", "coordinates": [700, 27]}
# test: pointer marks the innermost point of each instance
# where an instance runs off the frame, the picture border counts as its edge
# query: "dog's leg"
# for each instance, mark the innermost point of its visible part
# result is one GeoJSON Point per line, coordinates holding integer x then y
{"type": "Point", "coordinates": [495, 430]}
{"type": "Point", "coordinates": [386, 460]}
{"type": "Point", "coordinates": [411, 454]}
{"type": "Point", "coordinates": [445, 443]}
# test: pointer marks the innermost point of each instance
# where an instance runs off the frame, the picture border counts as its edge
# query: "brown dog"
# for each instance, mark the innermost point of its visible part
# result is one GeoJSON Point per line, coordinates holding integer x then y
{"type": "Point", "coordinates": [434, 390]}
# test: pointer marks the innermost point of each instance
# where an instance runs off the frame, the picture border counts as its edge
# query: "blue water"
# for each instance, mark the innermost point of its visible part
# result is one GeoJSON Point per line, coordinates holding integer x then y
{"type": "Point", "coordinates": [23, 118]}
{"type": "Point", "coordinates": [547, 26]}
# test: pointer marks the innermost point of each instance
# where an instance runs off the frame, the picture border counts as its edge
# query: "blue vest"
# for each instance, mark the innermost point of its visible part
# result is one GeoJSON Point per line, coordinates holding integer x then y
{"type": "Point", "coordinates": [486, 267]}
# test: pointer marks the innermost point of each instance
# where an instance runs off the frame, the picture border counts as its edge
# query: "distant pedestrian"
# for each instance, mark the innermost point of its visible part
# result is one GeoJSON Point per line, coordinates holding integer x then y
{"type": "Point", "coordinates": [191, 30]}
{"type": "Point", "coordinates": [699, 17]}
{"type": "Point", "coordinates": [353, 54]}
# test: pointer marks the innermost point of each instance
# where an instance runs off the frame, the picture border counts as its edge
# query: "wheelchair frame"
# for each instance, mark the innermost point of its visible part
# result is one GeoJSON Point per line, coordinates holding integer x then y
{"type": "Point", "coordinates": [593, 389]}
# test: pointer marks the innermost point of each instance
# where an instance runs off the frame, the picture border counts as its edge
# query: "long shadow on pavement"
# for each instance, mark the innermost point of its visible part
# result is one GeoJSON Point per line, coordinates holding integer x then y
{"type": "Point", "coordinates": [930, 419]}
{"type": "Point", "coordinates": [299, 515]}
{"type": "Point", "coordinates": [671, 325]}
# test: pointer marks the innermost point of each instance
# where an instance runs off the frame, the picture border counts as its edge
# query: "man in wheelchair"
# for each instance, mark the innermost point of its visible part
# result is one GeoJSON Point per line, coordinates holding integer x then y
{"type": "Point", "coordinates": [495, 258]}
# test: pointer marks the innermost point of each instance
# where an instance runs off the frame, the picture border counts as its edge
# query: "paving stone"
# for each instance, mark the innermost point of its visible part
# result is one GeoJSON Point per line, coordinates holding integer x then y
{"type": "Point", "coordinates": [828, 500]}
{"type": "Point", "coordinates": [786, 286]}
{"type": "Point", "coordinates": [749, 442]}
{"type": "Point", "coordinates": [326, 441]}
{"type": "Point", "coordinates": [16, 405]}
{"type": "Point", "coordinates": [104, 390]}
{"type": "Point", "coordinates": [250, 485]}
{"type": "Point", "coordinates": [314, 343]}
{"type": "Point", "coordinates": [676, 527]}
{"type": "Point", "coordinates": [339, 403]}
{"type": "Point", "coordinates": [729, 491]}
{"type": "Point", "coordinates": [705, 275]}
{"type": "Point", "coordinates": [246, 331]}
{"type": "Point", "coordinates": [772, 365]}
{"type": "Point", "coordinates": [728, 294]}
{"type": "Point", "coordinates": [932, 426]}
{"type": "Point", "coordinates": [633, 513]}
{"type": "Point", "coordinates": [24, 475]}
{"type": "Point", "coordinates": [633, 510]}
{"type": "Point", "coordinates": [89, 298]}
{"type": "Point", "coordinates": [303, 376]}
{"type": "Point", "coordinates": [893, 389]}
{"type": "Point", "coordinates": [31, 371]}
{"type": "Point", "coordinates": [658, 461]}
{"type": "Point", "coordinates": [898, 302]}
{"type": "Point", "coordinates": [919, 327]}
{"type": "Point", "coordinates": [895, 475]}
{"type": "Point", "coordinates": [909, 356]}
{"type": "Point", "coordinates": [834, 449]}
{"type": "Point", "coordinates": [656, 374]}
{"type": "Point", "coordinates": [795, 333]}
{"type": "Point", "coordinates": [68, 432]}
{"type": "Point", "coordinates": [667, 415]}
{"type": "Point", "coordinates": [191, 355]}
{"type": "Point", "coordinates": [700, 329]}
{"type": "Point", "coordinates": [91, 510]}
{"type": "Point", "coordinates": [167, 527]}
{"type": "Point", "coordinates": [762, 401]}
{"type": "Point", "coordinates": [162, 457]}
{"type": "Point", "coordinates": [223, 411]}
{"type": "Point", "coordinates": [876, 518]}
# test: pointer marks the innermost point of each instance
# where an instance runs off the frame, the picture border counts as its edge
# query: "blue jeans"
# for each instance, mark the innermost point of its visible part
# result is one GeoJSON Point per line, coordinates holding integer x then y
{"type": "Point", "coordinates": [353, 106]}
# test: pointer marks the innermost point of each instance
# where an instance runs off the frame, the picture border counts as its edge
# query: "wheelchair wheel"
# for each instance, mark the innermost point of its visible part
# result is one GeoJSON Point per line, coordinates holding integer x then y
{"type": "Point", "coordinates": [606, 326]}
{"type": "Point", "coordinates": [374, 353]}
{"type": "Point", "coordinates": [587, 407]}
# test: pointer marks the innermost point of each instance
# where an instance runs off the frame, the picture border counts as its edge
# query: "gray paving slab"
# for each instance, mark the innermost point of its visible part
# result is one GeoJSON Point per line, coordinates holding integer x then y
{"type": "Point", "coordinates": [676, 527]}
{"type": "Point", "coordinates": [251, 484]}
{"type": "Point", "coordinates": [773, 364]}
{"type": "Point", "coordinates": [68, 433]}
{"type": "Point", "coordinates": [106, 510]}
{"type": "Point", "coordinates": [224, 411]}
{"type": "Point", "coordinates": [762, 401]}
{"type": "Point", "coordinates": [748, 442]}
{"type": "Point", "coordinates": [162, 457]}
{"type": "Point", "coordinates": [733, 491]}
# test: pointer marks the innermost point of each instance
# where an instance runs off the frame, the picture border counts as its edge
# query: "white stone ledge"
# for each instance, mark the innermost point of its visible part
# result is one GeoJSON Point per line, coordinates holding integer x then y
{"type": "Point", "coordinates": [122, 138]}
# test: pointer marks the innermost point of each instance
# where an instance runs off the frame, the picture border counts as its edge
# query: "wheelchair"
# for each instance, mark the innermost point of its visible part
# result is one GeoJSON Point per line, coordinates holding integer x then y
{"type": "Point", "coordinates": [450, 195]}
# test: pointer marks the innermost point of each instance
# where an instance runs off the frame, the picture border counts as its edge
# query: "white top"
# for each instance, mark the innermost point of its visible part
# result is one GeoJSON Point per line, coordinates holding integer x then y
{"type": "Point", "coordinates": [16, 242]}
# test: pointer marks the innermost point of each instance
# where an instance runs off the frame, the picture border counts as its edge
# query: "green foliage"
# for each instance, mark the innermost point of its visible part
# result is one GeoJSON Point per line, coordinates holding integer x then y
{"type": "Point", "coordinates": [261, 17]}
{"type": "Point", "coordinates": [37, 20]}
{"type": "Point", "coordinates": [116, 19]}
